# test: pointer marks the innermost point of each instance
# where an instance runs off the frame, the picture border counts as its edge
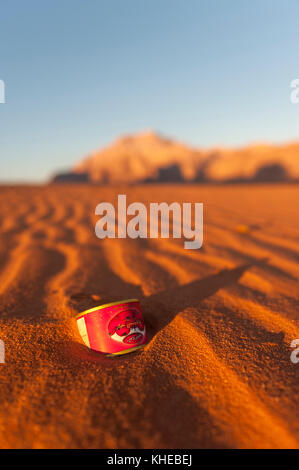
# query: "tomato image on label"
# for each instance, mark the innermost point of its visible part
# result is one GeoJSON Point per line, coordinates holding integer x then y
{"type": "Point", "coordinates": [127, 327]}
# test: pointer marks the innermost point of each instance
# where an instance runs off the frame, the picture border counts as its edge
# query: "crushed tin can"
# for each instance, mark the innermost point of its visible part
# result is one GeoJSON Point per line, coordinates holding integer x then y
{"type": "Point", "coordinates": [114, 328]}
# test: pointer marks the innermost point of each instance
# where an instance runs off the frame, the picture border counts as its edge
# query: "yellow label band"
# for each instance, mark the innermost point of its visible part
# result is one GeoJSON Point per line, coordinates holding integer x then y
{"type": "Point", "coordinates": [100, 307]}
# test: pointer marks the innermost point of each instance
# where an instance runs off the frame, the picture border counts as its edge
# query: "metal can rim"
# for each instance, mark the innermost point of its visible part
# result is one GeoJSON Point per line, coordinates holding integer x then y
{"type": "Point", "coordinates": [100, 307]}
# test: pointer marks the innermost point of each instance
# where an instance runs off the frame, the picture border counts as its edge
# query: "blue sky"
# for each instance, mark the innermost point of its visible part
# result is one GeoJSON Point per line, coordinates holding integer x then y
{"type": "Point", "coordinates": [80, 73]}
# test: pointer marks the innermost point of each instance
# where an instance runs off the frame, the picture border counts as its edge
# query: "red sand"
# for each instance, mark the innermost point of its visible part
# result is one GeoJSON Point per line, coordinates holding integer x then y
{"type": "Point", "coordinates": [216, 371]}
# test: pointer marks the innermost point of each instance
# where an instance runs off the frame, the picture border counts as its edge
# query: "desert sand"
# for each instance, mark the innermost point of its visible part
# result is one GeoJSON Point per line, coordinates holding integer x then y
{"type": "Point", "coordinates": [216, 372]}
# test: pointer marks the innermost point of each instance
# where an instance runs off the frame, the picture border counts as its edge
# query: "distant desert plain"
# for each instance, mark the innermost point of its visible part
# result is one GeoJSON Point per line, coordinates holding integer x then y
{"type": "Point", "coordinates": [216, 371]}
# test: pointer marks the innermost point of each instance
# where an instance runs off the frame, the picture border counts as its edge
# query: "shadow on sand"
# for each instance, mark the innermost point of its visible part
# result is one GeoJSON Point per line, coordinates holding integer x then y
{"type": "Point", "coordinates": [161, 308]}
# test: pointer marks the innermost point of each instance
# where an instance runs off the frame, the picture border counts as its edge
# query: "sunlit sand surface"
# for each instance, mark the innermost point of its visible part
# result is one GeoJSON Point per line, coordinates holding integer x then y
{"type": "Point", "coordinates": [216, 372]}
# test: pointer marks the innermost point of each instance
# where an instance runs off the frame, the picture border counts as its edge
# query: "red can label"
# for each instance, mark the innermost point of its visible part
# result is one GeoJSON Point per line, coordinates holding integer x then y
{"type": "Point", "coordinates": [127, 327]}
{"type": "Point", "coordinates": [113, 328]}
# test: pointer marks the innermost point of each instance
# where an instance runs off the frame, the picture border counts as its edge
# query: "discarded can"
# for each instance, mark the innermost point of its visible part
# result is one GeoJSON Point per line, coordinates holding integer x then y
{"type": "Point", "coordinates": [114, 328]}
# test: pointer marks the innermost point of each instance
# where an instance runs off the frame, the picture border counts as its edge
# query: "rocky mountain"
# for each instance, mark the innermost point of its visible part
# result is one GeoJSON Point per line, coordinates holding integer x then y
{"type": "Point", "coordinates": [256, 162]}
{"type": "Point", "coordinates": [141, 157]}
{"type": "Point", "coordinates": [150, 157]}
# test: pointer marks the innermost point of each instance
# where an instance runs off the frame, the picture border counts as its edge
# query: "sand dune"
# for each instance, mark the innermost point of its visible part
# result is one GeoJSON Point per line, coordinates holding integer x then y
{"type": "Point", "coordinates": [216, 371]}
